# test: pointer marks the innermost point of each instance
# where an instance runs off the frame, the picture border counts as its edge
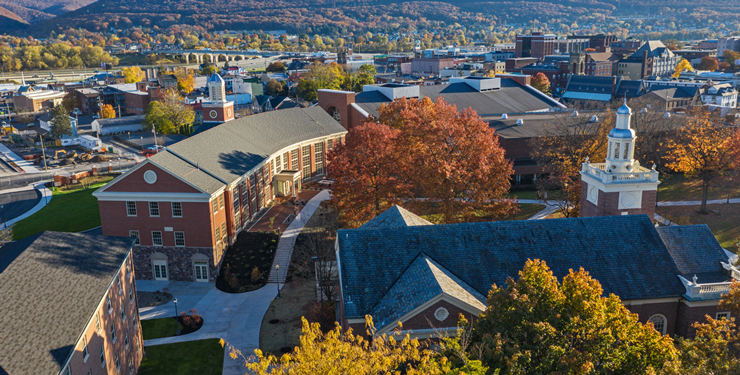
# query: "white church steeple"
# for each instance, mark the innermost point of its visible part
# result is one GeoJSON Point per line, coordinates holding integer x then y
{"type": "Point", "coordinates": [620, 157]}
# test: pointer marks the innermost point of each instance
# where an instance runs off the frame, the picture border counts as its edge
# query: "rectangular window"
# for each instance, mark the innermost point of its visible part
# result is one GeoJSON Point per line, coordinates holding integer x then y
{"type": "Point", "coordinates": [215, 205]}
{"type": "Point", "coordinates": [218, 234]}
{"type": "Point", "coordinates": [118, 363]}
{"type": "Point", "coordinates": [223, 229]}
{"type": "Point", "coordinates": [131, 296]}
{"type": "Point", "coordinates": [319, 156]}
{"type": "Point", "coordinates": [235, 196]}
{"type": "Point", "coordinates": [285, 161]}
{"type": "Point", "coordinates": [179, 239]}
{"type": "Point", "coordinates": [278, 165]}
{"type": "Point", "coordinates": [133, 320]}
{"type": "Point", "coordinates": [723, 315]}
{"type": "Point", "coordinates": [125, 339]}
{"type": "Point", "coordinates": [616, 150]}
{"type": "Point", "coordinates": [113, 332]}
{"type": "Point", "coordinates": [102, 356]}
{"type": "Point", "coordinates": [221, 201]}
{"type": "Point", "coordinates": [85, 353]}
{"type": "Point", "coordinates": [135, 234]}
{"type": "Point", "coordinates": [110, 306]}
{"type": "Point", "coordinates": [130, 366]}
{"type": "Point", "coordinates": [157, 238]}
{"type": "Point", "coordinates": [97, 323]}
{"type": "Point", "coordinates": [154, 209]}
{"type": "Point", "coordinates": [306, 162]}
{"type": "Point", "coordinates": [176, 209]}
{"type": "Point", "coordinates": [294, 160]}
{"type": "Point", "coordinates": [330, 144]}
{"type": "Point", "coordinates": [118, 284]}
{"type": "Point", "coordinates": [130, 208]}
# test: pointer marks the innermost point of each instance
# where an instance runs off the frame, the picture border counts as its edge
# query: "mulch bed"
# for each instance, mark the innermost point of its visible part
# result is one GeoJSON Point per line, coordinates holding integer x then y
{"type": "Point", "coordinates": [153, 298]}
{"type": "Point", "coordinates": [251, 250]}
{"type": "Point", "coordinates": [190, 324]}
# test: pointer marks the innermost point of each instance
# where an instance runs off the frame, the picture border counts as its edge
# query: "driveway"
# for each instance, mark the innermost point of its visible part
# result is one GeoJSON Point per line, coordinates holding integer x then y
{"type": "Point", "coordinates": [236, 318]}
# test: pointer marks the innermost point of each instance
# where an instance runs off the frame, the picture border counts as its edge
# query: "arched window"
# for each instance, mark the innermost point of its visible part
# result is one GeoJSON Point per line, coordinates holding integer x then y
{"type": "Point", "coordinates": [335, 113]}
{"type": "Point", "coordinates": [660, 323]}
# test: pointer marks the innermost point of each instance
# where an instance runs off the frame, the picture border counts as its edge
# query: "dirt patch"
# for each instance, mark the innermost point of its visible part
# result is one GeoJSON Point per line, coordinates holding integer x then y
{"type": "Point", "coordinates": [153, 298]}
{"type": "Point", "coordinates": [247, 263]}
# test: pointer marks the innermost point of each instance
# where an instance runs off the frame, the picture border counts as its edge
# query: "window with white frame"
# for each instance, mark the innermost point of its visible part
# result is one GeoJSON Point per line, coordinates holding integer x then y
{"type": "Point", "coordinates": [130, 208]}
{"type": "Point", "coordinates": [180, 239]}
{"type": "Point", "coordinates": [113, 333]}
{"type": "Point", "coordinates": [118, 284]}
{"type": "Point", "coordinates": [306, 162]}
{"type": "Point", "coordinates": [154, 209]}
{"type": "Point", "coordinates": [123, 312]}
{"type": "Point", "coordinates": [221, 202]}
{"type": "Point", "coordinates": [285, 161]}
{"type": "Point", "coordinates": [723, 315]}
{"type": "Point", "coordinates": [102, 356]}
{"type": "Point", "coordinates": [125, 339]}
{"type": "Point", "coordinates": [97, 323]}
{"type": "Point", "coordinates": [85, 352]}
{"type": "Point", "coordinates": [156, 238]}
{"type": "Point", "coordinates": [218, 233]}
{"type": "Point", "coordinates": [660, 323]}
{"type": "Point", "coordinates": [319, 156]}
{"type": "Point", "coordinates": [223, 229]}
{"type": "Point", "coordinates": [215, 205]}
{"type": "Point", "coordinates": [278, 164]}
{"type": "Point", "coordinates": [135, 234]}
{"type": "Point", "coordinates": [133, 320]}
{"type": "Point", "coordinates": [176, 209]}
{"type": "Point", "coordinates": [294, 160]}
{"type": "Point", "coordinates": [330, 144]}
{"type": "Point", "coordinates": [131, 295]}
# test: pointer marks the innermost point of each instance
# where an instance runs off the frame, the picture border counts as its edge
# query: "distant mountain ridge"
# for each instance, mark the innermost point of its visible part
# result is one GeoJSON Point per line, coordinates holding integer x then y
{"type": "Point", "coordinates": [330, 16]}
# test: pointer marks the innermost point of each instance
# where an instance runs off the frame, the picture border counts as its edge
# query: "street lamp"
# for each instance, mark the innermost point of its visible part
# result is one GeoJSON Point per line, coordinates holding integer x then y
{"type": "Point", "coordinates": [277, 270]}
{"type": "Point", "coordinates": [175, 301]}
{"type": "Point", "coordinates": [729, 189]}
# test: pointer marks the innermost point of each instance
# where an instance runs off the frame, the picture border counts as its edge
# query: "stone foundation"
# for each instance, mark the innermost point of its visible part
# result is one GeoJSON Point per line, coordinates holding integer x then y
{"type": "Point", "coordinates": [179, 262]}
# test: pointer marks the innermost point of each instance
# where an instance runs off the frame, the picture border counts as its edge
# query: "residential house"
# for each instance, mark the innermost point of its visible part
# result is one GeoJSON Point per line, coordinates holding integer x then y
{"type": "Point", "coordinates": [720, 95]}
{"type": "Point", "coordinates": [167, 82]}
{"type": "Point", "coordinates": [69, 306]}
{"type": "Point", "coordinates": [267, 103]}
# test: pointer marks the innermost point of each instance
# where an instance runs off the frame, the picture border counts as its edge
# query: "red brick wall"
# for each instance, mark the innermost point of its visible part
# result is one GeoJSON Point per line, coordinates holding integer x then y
{"type": "Point", "coordinates": [669, 310]}
{"type": "Point", "coordinates": [195, 222]}
{"type": "Point", "coordinates": [165, 183]}
{"type": "Point", "coordinates": [339, 100]}
{"type": "Point", "coordinates": [688, 315]}
{"type": "Point", "coordinates": [222, 114]}
{"type": "Point", "coordinates": [608, 204]}
{"type": "Point", "coordinates": [424, 318]}
{"type": "Point", "coordinates": [94, 339]}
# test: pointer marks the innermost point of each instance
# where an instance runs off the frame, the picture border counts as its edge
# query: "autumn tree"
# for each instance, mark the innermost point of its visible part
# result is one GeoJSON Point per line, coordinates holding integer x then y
{"type": "Point", "coordinates": [561, 148]}
{"type": "Point", "coordinates": [322, 76]}
{"type": "Point", "coordinates": [429, 150]}
{"type": "Point", "coordinates": [365, 75]}
{"type": "Point", "coordinates": [275, 67]}
{"type": "Point", "coordinates": [731, 57]}
{"type": "Point", "coordinates": [132, 74]}
{"type": "Point", "coordinates": [169, 116]}
{"type": "Point", "coordinates": [542, 83]}
{"type": "Point", "coordinates": [307, 89]}
{"type": "Point", "coordinates": [539, 325]}
{"type": "Point", "coordinates": [61, 125]}
{"type": "Point", "coordinates": [185, 82]}
{"type": "Point", "coordinates": [708, 63]}
{"type": "Point", "coordinates": [275, 87]}
{"type": "Point", "coordinates": [107, 111]}
{"type": "Point", "coordinates": [337, 352]}
{"type": "Point", "coordinates": [682, 66]}
{"type": "Point", "coordinates": [702, 149]}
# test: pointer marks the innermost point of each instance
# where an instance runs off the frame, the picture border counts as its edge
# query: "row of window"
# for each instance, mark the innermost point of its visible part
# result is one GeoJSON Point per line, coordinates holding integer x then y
{"type": "Point", "coordinates": [660, 322]}
{"type": "Point", "coordinates": [157, 238]}
{"type": "Point", "coordinates": [154, 209]}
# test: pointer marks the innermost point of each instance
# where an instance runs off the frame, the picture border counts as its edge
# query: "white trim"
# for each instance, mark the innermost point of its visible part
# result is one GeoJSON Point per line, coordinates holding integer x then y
{"type": "Point", "coordinates": [143, 163]}
{"type": "Point", "coordinates": [620, 186]}
{"type": "Point", "coordinates": [430, 333]}
{"type": "Point", "coordinates": [701, 303]}
{"type": "Point", "coordinates": [335, 91]}
{"type": "Point", "coordinates": [152, 197]}
{"type": "Point", "coordinates": [359, 109]}
{"type": "Point", "coordinates": [639, 302]}
{"type": "Point", "coordinates": [665, 323]}
{"type": "Point", "coordinates": [636, 205]}
{"type": "Point", "coordinates": [440, 297]}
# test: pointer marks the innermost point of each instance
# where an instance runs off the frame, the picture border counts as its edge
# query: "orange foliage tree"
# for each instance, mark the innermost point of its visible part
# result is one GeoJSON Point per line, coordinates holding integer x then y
{"type": "Point", "coordinates": [107, 111]}
{"type": "Point", "coordinates": [541, 82]}
{"type": "Point", "coordinates": [708, 63]}
{"type": "Point", "coordinates": [435, 156]}
{"type": "Point", "coordinates": [702, 148]}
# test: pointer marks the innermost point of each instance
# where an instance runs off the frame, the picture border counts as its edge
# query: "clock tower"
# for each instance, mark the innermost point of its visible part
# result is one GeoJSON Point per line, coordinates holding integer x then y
{"type": "Point", "coordinates": [620, 186]}
{"type": "Point", "coordinates": [217, 109]}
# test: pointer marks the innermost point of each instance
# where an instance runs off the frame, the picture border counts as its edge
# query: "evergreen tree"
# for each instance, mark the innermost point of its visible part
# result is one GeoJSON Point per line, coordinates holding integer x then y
{"type": "Point", "coordinates": [60, 122]}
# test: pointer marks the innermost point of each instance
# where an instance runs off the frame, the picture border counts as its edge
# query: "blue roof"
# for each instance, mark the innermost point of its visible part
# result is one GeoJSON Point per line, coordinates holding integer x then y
{"type": "Point", "coordinates": [624, 110]}
{"type": "Point", "coordinates": [215, 77]}
{"type": "Point", "coordinates": [687, 242]}
{"type": "Point", "coordinates": [613, 249]}
{"type": "Point", "coordinates": [622, 133]}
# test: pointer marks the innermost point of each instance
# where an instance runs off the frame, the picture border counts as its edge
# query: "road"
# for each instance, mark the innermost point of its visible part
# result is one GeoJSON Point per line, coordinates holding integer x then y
{"type": "Point", "coordinates": [17, 203]}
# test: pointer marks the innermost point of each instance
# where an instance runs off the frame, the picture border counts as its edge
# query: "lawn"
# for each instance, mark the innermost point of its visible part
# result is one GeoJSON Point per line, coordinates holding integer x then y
{"type": "Point", "coordinates": [86, 183]}
{"type": "Point", "coordinates": [523, 194]}
{"type": "Point", "coordinates": [72, 212]}
{"type": "Point", "coordinates": [203, 357]}
{"type": "Point", "coordinates": [525, 212]}
{"type": "Point", "coordinates": [677, 187]}
{"type": "Point", "coordinates": [158, 328]}
{"type": "Point", "coordinates": [722, 220]}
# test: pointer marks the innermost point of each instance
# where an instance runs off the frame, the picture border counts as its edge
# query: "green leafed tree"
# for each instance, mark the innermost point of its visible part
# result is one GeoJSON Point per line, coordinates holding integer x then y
{"type": "Point", "coordinates": [169, 116]}
{"type": "Point", "coordinates": [365, 75]}
{"type": "Point", "coordinates": [61, 125]}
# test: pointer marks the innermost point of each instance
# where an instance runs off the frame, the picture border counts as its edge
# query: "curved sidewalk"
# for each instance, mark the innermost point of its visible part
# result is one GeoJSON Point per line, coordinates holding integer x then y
{"type": "Point", "coordinates": [287, 241]}
{"type": "Point", "coordinates": [45, 199]}
{"type": "Point", "coordinates": [549, 208]}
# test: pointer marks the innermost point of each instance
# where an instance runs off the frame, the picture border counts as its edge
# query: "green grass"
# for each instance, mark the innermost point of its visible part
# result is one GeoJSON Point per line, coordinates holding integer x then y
{"type": "Point", "coordinates": [158, 328]}
{"type": "Point", "coordinates": [722, 219]}
{"type": "Point", "coordinates": [677, 187]}
{"type": "Point", "coordinates": [523, 194]}
{"type": "Point", "coordinates": [73, 212]}
{"type": "Point", "coordinates": [202, 357]}
{"type": "Point", "coordinates": [526, 211]}
{"type": "Point", "coordinates": [98, 182]}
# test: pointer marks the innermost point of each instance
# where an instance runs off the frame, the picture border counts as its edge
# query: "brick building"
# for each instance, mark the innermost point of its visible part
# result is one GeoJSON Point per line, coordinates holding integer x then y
{"type": "Point", "coordinates": [430, 66]}
{"type": "Point", "coordinates": [69, 306]}
{"type": "Point", "coordinates": [398, 268]}
{"type": "Point", "coordinates": [536, 45]}
{"type": "Point", "coordinates": [37, 100]}
{"type": "Point", "coordinates": [596, 41]}
{"type": "Point", "coordinates": [138, 100]}
{"type": "Point", "coordinates": [487, 96]}
{"type": "Point", "coordinates": [186, 204]}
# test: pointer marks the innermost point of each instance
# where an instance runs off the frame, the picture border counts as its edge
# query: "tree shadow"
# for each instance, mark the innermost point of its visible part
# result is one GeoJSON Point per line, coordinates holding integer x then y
{"type": "Point", "coordinates": [238, 162]}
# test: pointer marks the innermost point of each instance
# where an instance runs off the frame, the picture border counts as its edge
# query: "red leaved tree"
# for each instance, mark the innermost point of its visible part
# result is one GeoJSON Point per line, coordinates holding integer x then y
{"type": "Point", "coordinates": [542, 83]}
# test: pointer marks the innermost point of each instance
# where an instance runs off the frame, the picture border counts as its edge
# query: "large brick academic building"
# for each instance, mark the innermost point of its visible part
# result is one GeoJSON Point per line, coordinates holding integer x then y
{"type": "Point", "coordinates": [186, 204]}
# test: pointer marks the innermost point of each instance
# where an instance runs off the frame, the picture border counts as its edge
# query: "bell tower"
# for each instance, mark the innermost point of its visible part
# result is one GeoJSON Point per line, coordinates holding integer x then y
{"type": "Point", "coordinates": [620, 186]}
{"type": "Point", "coordinates": [217, 109]}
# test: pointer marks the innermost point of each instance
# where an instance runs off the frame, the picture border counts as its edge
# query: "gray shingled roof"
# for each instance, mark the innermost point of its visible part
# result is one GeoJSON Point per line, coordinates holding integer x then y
{"type": "Point", "coordinates": [423, 280]}
{"type": "Point", "coordinates": [230, 150]}
{"type": "Point", "coordinates": [51, 285]}
{"type": "Point", "coordinates": [395, 217]}
{"type": "Point", "coordinates": [614, 250]}
{"type": "Point", "coordinates": [512, 97]}
{"type": "Point", "coordinates": [694, 249]}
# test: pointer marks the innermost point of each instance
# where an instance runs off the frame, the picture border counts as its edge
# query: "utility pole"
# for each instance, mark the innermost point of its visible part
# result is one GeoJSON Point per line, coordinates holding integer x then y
{"type": "Point", "coordinates": [43, 152]}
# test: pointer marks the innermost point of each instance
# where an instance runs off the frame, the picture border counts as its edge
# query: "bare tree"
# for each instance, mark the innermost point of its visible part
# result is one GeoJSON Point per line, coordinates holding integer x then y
{"type": "Point", "coordinates": [315, 250]}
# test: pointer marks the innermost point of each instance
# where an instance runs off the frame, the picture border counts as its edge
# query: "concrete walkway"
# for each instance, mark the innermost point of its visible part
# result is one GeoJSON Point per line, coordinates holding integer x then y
{"type": "Point", "coordinates": [549, 208]}
{"type": "Point", "coordinates": [697, 203]}
{"type": "Point", "coordinates": [236, 318]}
{"type": "Point", "coordinates": [287, 241]}
{"type": "Point", "coordinates": [45, 199]}
{"type": "Point", "coordinates": [26, 165]}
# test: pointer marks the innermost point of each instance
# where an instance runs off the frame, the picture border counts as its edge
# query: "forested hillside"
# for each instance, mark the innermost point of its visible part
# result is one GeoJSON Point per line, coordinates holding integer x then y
{"type": "Point", "coordinates": [343, 16]}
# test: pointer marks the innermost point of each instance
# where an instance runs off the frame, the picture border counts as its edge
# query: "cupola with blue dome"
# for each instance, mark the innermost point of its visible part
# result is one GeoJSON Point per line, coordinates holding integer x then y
{"type": "Point", "coordinates": [215, 77]}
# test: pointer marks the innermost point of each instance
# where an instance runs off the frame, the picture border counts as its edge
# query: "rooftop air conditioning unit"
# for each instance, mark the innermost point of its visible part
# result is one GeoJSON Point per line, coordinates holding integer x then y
{"type": "Point", "coordinates": [519, 122]}
{"type": "Point", "coordinates": [504, 116]}
{"type": "Point", "coordinates": [667, 115]}
{"type": "Point", "coordinates": [594, 118]}
{"type": "Point", "coordinates": [574, 114]}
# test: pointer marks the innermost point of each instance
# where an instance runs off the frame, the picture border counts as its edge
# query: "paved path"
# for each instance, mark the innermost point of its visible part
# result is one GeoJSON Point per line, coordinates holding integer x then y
{"type": "Point", "coordinates": [236, 318]}
{"type": "Point", "coordinates": [24, 202]}
{"type": "Point", "coordinates": [549, 208]}
{"type": "Point", "coordinates": [697, 203]}
{"type": "Point", "coordinates": [287, 241]}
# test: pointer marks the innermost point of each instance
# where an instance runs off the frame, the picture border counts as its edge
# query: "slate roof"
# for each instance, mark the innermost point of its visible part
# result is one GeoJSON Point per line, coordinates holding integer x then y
{"type": "Point", "coordinates": [655, 48]}
{"type": "Point", "coordinates": [512, 97]}
{"type": "Point", "coordinates": [694, 249]}
{"type": "Point", "coordinates": [395, 217]}
{"type": "Point", "coordinates": [225, 153]}
{"type": "Point", "coordinates": [593, 84]}
{"type": "Point", "coordinates": [483, 254]}
{"type": "Point", "coordinates": [423, 280]}
{"type": "Point", "coordinates": [674, 92]}
{"type": "Point", "coordinates": [630, 88]}
{"type": "Point", "coordinates": [51, 286]}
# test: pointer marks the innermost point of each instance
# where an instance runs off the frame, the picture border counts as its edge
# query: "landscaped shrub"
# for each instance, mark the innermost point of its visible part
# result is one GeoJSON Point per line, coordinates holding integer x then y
{"type": "Point", "coordinates": [241, 260]}
{"type": "Point", "coordinates": [256, 275]}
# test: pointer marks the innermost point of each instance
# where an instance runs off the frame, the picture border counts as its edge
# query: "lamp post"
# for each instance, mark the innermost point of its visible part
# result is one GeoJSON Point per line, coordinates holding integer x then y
{"type": "Point", "coordinates": [175, 301]}
{"type": "Point", "coordinates": [277, 271]}
{"type": "Point", "coordinates": [729, 189]}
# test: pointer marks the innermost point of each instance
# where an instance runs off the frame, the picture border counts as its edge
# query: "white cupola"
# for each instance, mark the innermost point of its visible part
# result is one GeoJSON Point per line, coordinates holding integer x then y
{"type": "Point", "coordinates": [621, 152]}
